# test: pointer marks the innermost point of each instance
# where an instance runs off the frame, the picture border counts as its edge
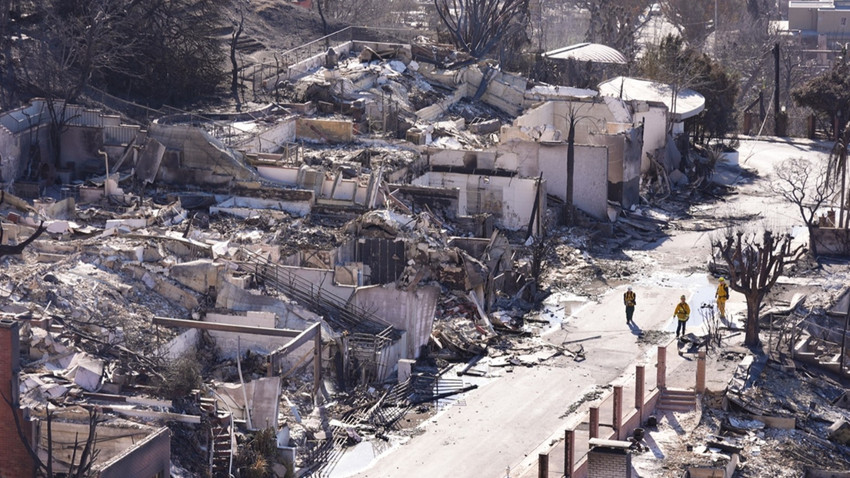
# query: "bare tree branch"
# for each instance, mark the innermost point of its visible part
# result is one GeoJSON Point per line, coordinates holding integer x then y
{"type": "Point", "coordinates": [754, 268]}
{"type": "Point", "coordinates": [803, 184]}
{"type": "Point", "coordinates": [478, 26]}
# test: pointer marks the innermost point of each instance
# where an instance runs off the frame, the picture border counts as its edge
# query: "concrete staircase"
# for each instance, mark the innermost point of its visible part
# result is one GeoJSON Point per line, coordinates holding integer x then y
{"type": "Point", "coordinates": [676, 400]}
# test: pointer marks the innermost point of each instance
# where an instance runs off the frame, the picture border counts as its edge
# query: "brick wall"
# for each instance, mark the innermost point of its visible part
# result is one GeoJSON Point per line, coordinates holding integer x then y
{"type": "Point", "coordinates": [609, 463]}
{"type": "Point", "coordinates": [15, 461]}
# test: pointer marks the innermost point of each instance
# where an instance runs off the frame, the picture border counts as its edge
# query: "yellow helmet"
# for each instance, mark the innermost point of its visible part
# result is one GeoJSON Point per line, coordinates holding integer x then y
{"type": "Point", "coordinates": [722, 279]}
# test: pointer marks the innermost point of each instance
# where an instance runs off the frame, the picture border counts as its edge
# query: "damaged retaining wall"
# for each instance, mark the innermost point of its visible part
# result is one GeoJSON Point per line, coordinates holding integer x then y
{"type": "Point", "coordinates": [324, 130]}
{"type": "Point", "coordinates": [300, 205]}
{"type": "Point", "coordinates": [271, 139]}
{"type": "Point", "coordinates": [289, 316]}
{"type": "Point", "coordinates": [24, 132]}
{"type": "Point", "coordinates": [530, 158]}
{"type": "Point", "coordinates": [229, 342]}
{"type": "Point", "coordinates": [624, 159]}
{"type": "Point", "coordinates": [653, 116]}
{"type": "Point", "coordinates": [20, 130]}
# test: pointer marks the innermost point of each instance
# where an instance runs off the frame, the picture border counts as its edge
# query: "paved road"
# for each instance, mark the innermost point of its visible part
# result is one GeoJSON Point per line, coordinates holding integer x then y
{"type": "Point", "coordinates": [503, 421]}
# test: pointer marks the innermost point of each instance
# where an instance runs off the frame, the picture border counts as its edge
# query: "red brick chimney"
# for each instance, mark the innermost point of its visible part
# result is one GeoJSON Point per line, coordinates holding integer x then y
{"type": "Point", "coordinates": [15, 461]}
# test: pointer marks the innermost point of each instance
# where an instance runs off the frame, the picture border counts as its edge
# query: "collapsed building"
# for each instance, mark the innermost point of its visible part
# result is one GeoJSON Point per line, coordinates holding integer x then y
{"type": "Point", "coordinates": [308, 249]}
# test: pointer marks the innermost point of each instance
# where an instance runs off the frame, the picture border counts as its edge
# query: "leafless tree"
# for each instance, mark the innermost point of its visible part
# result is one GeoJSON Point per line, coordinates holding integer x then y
{"type": "Point", "coordinates": [542, 248]}
{"type": "Point", "coordinates": [671, 62]}
{"type": "Point", "coordinates": [360, 12]}
{"type": "Point", "coordinates": [479, 26]}
{"type": "Point", "coordinates": [80, 467]}
{"type": "Point", "coordinates": [234, 40]}
{"type": "Point", "coordinates": [616, 23]}
{"type": "Point", "coordinates": [694, 21]}
{"type": "Point", "coordinates": [84, 40]}
{"type": "Point", "coordinates": [804, 184]}
{"type": "Point", "coordinates": [713, 324]}
{"type": "Point", "coordinates": [754, 268]}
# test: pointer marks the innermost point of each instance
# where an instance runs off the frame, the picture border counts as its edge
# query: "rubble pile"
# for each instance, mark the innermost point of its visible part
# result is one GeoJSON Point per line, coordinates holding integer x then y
{"type": "Point", "coordinates": [329, 271]}
{"type": "Point", "coordinates": [770, 421]}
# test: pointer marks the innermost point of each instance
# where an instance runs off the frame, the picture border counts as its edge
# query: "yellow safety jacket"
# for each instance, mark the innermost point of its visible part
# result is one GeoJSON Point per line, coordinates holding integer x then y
{"type": "Point", "coordinates": [722, 291]}
{"type": "Point", "coordinates": [629, 298]}
{"type": "Point", "coordinates": [683, 312]}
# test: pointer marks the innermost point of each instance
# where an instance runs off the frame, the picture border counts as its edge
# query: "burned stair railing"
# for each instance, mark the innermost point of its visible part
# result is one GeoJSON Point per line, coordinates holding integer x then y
{"type": "Point", "coordinates": [367, 348]}
{"type": "Point", "coordinates": [341, 314]}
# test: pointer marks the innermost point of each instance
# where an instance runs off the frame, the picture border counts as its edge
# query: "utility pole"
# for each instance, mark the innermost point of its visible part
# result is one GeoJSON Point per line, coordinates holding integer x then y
{"type": "Point", "coordinates": [776, 112]}
{"type": "Point", "coordinates": [844, 337]}
{"type": "Point", "coordinates": [715, 28]}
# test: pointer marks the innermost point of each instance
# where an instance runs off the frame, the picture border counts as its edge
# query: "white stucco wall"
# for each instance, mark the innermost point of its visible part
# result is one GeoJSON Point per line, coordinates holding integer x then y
{"type": "Point", "coordinates": [10, 151]}
{"type": "Point", "coordinates": [272, 139]}
{"type": "Point", "coordinates": [509, 199]}
{"type": "Point", "coordinates": [590, 189]}
{"type": "Point", "coordinates": [654, 132]}
{"type": "Point", "coordinates": [228, 342]}
{"type": "Point", "coordinates": [280, 174]}
{"type": "Point", "coordinates": [411, 311]}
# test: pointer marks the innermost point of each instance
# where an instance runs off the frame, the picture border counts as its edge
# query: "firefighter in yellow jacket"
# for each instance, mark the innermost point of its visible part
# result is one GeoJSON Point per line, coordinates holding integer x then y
{"type": "Point", "coordinates": [683, 313]}
{"type": "Point", "coordinates": [722, 295]}
{"type": "Point", "coordinates": [629, 300]}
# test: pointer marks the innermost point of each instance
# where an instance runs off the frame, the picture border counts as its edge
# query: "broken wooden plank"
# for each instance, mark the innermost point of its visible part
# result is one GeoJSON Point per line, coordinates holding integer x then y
{"type": "Point", "coordinates": [638, 225]}
{"type": "Point", "coordinates": [239, 329]}
{"type": "Point", "coordinates": [149, 402]}
{"type": "Point", "coordinates": [581, 340]}
{"type": "Point", "coordinates": [150, 414]}
{"type": "Point", "coordinates": [444, 395]}
{"type": "Point", "coordinates": [784, 423]}
{"type": "Point", "coordinates": [469, 365]}
{"type": "Point", "coordinates": [298, 341]}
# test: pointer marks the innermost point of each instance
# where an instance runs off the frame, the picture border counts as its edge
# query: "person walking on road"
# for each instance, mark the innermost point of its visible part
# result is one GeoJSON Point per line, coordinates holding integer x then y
{"type": "Point", "coordinates": [722, 294]}
{"type": "Point", "coordinates": [629, 299]}
{"type": "Point", "coordinates": [683, 313]}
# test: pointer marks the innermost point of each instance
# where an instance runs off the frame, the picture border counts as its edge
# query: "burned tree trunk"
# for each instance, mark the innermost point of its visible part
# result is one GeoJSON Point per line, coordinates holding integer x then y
{"type": "Point", "coordinates": [754, 268]}
{"type": "Point", "coordinates": [751, 328]}
{"type": "Point", "coordinates": [234, 80]}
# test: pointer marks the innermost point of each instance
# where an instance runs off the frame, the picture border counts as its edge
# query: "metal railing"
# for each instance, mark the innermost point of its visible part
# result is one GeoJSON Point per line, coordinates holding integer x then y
{"type": "Point", "coordinates": [339, 312]}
